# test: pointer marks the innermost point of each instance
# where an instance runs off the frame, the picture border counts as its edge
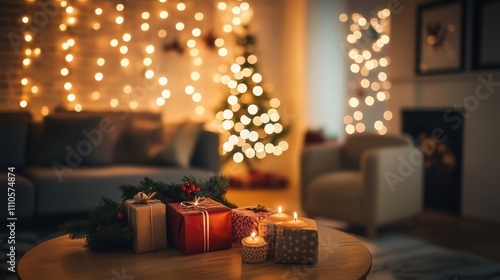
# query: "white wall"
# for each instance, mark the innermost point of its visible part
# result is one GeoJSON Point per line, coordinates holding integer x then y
{"type": "Point", "coordinates": [326, 76]}
{"type": "Point", "coordinates": [481, 176]}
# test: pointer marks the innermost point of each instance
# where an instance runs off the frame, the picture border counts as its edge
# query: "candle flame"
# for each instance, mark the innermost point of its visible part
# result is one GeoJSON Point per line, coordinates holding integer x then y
{"type": "Point", "coordinates": [295, 216]}
{"type": "Point", "coordinates": [253, 235]}
{"type": "Point", "coordinates": [279, 210]}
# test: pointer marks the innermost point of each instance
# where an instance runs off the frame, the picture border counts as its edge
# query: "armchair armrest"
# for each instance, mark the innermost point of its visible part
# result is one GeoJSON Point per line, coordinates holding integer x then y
{"type": "Point", "coordinates": [317, 160]}
{"type": "Point", "coordinates": [393, 178]}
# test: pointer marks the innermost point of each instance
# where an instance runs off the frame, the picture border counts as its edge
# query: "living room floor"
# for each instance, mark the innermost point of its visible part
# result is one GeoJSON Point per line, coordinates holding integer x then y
{"type": "Point", "coordinates": [460, 234]}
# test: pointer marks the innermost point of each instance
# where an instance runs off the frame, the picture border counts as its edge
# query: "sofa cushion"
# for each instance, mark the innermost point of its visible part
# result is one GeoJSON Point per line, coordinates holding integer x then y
{"type": "Point", "coordinates": [179, 143]}
{"type": "Point", "coordinates": [13, 143]}
{"type": "Point", "coordinates": [337, 194]}
{"type": "Point", "coordinates": [73, 140]}
{"type": "Point", "coordinates": [143, 131]}
{"type": "Point", "coordinates": [77, 190]}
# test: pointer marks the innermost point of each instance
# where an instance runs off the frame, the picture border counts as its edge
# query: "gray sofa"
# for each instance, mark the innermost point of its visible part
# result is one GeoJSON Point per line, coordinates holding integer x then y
{"type": "Point", "coordinates": [64, 164]}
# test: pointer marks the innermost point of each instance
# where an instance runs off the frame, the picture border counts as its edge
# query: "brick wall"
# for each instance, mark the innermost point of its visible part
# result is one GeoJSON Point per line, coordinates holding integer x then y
{"type": "Point", "coordinates": [45, 87]}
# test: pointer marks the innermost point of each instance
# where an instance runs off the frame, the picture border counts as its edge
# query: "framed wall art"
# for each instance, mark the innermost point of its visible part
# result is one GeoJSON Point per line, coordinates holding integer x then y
{"type": "Point", "coordinates": [440, 37]}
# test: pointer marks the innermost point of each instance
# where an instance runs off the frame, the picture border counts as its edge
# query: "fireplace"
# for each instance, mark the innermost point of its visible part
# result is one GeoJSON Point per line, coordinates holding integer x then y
{"type": "Point", "coordinates": [439, 135]}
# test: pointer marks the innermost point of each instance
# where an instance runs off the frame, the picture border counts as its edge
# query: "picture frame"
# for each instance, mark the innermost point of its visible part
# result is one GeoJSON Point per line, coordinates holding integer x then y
{"type": "Point", "coordinates": [486, 41]}
{"type": "Point", "coordinates": [440, 37]}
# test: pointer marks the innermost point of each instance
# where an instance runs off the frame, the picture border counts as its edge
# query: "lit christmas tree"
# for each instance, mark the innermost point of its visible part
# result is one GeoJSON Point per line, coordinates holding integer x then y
{"type": "Point", "coordinates": [249, 118]}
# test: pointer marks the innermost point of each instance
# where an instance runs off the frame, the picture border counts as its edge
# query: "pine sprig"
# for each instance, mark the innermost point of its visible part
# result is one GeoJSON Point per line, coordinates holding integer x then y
{"type": "Point", "coordinates": [102, 229]}
{"type": "Point", "coordinates": [215, 188]}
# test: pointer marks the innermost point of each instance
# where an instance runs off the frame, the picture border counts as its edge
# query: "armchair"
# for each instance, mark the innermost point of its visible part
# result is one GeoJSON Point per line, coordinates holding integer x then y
{"type": "Point", "coordinates": [369, 180]}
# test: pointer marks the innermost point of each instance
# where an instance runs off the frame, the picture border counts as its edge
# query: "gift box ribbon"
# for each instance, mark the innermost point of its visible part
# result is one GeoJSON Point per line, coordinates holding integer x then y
{"type": "Point", "coordinates": [142, 198]}
{"type": "Point", "coordinates": [199, 204]}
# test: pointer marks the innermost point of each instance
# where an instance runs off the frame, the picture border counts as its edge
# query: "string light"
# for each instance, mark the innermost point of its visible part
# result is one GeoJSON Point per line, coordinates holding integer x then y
{"type": "Point", "coordinates": [367, 64]}
{"type": "Point", "coordinates": [96, 21]}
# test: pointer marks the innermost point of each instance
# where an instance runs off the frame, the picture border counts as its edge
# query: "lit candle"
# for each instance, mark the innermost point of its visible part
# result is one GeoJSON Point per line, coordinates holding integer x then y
{"type": "Point", "coordinates": [253, 240]}
{"type": "Point", "coordinates": [254, 249]}
{"type": "Point", "coordinates": [295, 223]}
{"type": "Point", "coordinates": [279, 217]}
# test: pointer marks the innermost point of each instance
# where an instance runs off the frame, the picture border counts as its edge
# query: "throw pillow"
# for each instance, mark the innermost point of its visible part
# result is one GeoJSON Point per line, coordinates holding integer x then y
{"type": "Point", "coordinates": [133, 146]}
{"type": "Point", "coordinates": [179, 142]}
{"type": "Point", "coordinates": [75, 140]}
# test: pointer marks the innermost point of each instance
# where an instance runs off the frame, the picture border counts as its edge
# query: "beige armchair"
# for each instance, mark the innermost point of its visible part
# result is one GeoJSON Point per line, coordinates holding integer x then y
{"type": "Point", "coordinates": [369, 180]}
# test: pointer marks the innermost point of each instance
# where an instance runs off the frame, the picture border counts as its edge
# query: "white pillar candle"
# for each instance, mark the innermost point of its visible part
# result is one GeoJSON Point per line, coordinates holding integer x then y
{"type": "Point", "coordinates": [295, 223]}
{"type": "Point", "coordinates": [253, 240]}
{"type": "Point", "coordinates": [279, 217]}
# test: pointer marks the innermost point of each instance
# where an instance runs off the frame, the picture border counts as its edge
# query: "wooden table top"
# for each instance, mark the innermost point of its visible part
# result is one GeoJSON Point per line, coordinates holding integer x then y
{"type": "Point", "coordinates": [341, 256]}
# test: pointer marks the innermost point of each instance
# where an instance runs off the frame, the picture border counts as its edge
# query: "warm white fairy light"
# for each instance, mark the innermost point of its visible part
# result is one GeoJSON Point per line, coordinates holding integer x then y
{"type": "Point", "coordinates": [127, 89]}
{"type": "Point", "coordinates": [181, 6]}
{"type": "Point", "coordinates": [199, 16]}
{"type": "Point", "coordinates": [149, 74]}
{"type": "Point", "coordinates": [147, 61]}
{"type": "Point", "coordinates": [124, 62]}
{"type": "Point", "coordinates": [99, 16]}
{"type": "Point", "coordinates": [96, 95]}
{"type": "Point", "coordinates": [114, 102]}
{"type": "Point", "coordinates": [126, 37]}
{"type": "Point", "coordinates": [368, 65]}
{"type": "Point", "coordinates": [162, 33]}
{"type": "Point", "coordinates": [119, 20]}
{"type": "Point", "coordinates": [98, 76]}
{"type": "Point", "coordinates": [100, 61]}
{"type": "Point", "coordinates": [179, 26]}
{"type": "Point", "coordinates": [71, 97]}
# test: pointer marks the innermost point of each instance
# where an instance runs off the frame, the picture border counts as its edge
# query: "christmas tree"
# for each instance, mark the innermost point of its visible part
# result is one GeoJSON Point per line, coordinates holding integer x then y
{"type": "Point", "coordinates": [249, 117]}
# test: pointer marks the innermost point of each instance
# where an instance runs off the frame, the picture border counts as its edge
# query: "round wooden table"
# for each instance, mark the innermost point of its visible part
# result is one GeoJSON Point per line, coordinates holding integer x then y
{"type": "Point", "coordinates": [341, 256]}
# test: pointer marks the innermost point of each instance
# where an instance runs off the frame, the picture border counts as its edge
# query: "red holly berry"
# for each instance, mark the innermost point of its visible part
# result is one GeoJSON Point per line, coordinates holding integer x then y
{"type": "Point", "coordinates": [188, 191]}
{"type": "Point", "coordinates": [120, 215]}
{"type": "Point", "coordinates": [197, 189]}
{"type": "Point", "coordinates": [192, 187]}
{"type": "Point", "coordinates": [186, 184]}
{"type": "Point", "coordinates": [183, 188]}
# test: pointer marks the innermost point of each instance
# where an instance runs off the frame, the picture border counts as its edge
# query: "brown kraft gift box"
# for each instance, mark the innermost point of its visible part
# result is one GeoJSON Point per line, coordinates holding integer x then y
{"type": "Point", "coordinates": [149, 223]}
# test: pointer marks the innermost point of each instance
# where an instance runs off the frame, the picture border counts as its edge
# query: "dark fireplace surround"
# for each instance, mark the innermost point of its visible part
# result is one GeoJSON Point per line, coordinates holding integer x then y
{"type": "Point", "coordinates": [439, 135]}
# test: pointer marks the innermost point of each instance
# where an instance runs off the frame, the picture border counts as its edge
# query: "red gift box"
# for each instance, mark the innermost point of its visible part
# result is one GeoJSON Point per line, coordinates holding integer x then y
{"type": "Point", "coordinates": [245, 221]}
{"type": "Point", "coordinates": [199, 228]}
